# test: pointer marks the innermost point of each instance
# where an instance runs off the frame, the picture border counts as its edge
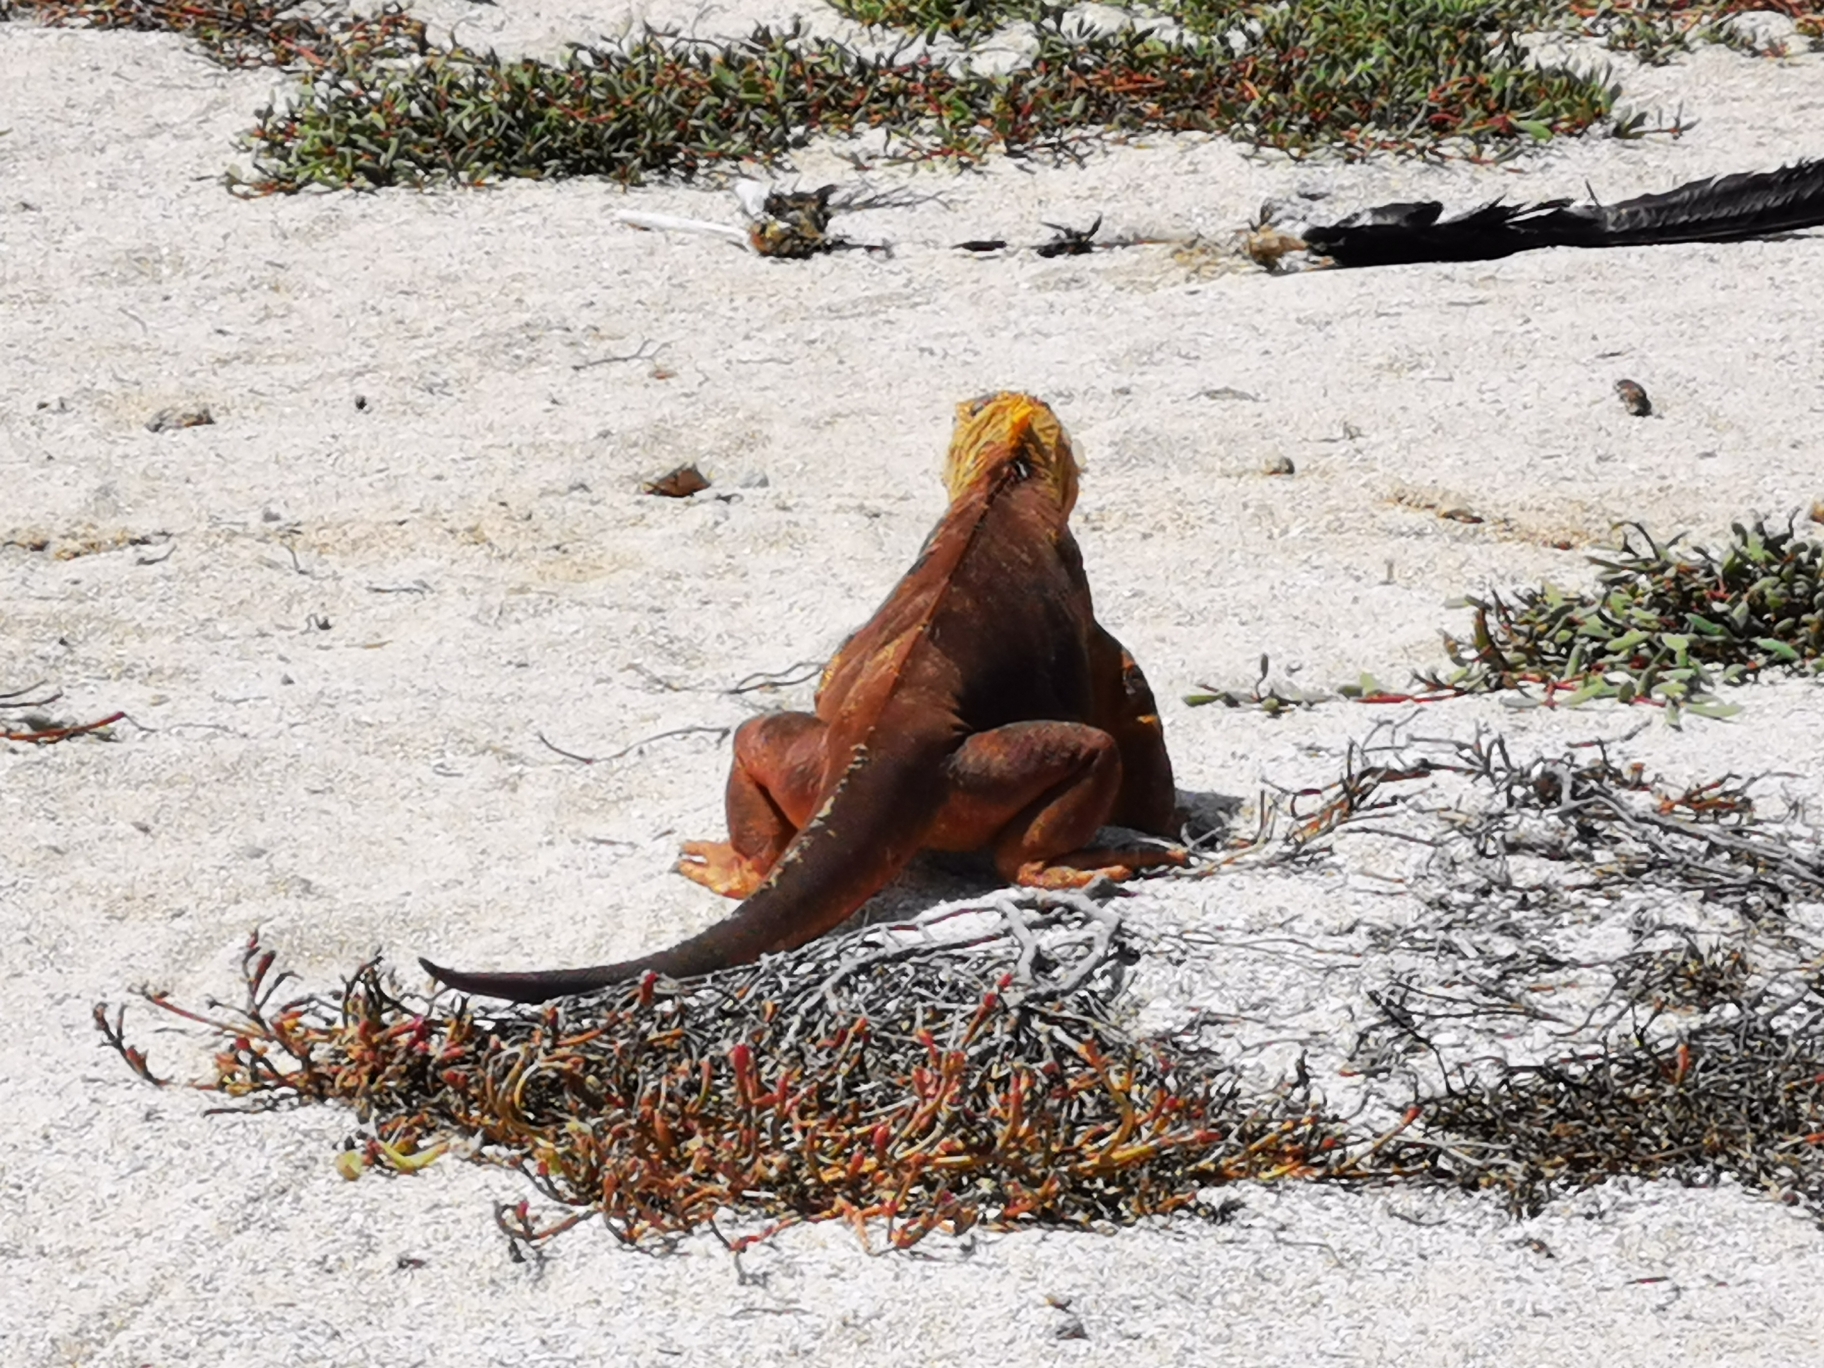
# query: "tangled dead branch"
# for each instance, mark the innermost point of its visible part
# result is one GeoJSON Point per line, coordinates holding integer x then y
{"type": "Point", "coordinates": [960, 1069]}
{"type": "Point", "coordinates": [1545, 1059]}
{"type": "Point", "coordinates": [1738, 1098]}
{"type": "Point", "coordinates": [1587, 975]}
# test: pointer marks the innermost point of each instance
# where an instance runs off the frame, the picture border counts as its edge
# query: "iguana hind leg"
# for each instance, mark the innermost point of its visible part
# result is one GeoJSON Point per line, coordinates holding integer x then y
{"type": "Point", "coordinates": [1125, 709]}
{"type": "Point", "coordinates": [1035, 793]}
{"type": "Point", "coordinates": [772, 792]}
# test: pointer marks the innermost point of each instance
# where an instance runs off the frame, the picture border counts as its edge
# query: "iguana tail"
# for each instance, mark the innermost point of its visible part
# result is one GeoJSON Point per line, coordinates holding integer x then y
{"type": "Point", "coordinates": [871, 825]}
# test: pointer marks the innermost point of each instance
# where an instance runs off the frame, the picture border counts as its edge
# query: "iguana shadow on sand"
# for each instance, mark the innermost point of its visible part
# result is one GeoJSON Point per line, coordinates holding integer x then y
{"type": "Point", "coordinates": [982, 707]}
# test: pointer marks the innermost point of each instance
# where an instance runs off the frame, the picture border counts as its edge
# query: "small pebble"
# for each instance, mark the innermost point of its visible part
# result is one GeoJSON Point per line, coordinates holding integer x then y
{"type": "Point", "coordinates": [1279, 465]}
{"type": "Point", "coordinates": [167, 419]}
{"type": "Point", "coordinates": [680, 483]}
{"type": "Point", "coordinates": [1634, 398]}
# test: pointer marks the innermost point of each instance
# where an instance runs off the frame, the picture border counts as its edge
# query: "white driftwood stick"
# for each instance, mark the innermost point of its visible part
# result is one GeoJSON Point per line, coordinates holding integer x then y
{"type": "Point", "coordinates": [672, 223]}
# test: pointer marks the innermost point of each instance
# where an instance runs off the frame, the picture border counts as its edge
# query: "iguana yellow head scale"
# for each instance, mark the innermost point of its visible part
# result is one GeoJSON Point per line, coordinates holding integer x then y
{"type": "Point", "coordinates": [1015, 432]}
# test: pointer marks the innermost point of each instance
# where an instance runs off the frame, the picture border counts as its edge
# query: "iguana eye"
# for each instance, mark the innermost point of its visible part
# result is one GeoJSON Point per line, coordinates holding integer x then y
{"type": "Point", "coordinates": [1022, 468]}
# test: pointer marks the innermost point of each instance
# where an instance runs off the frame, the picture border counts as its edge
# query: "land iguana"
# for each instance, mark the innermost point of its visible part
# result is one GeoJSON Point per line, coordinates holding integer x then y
{"type": "Point", "coordinates": [982, 707]}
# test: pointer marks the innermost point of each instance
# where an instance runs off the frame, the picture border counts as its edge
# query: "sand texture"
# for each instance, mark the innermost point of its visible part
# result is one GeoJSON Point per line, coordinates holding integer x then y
{"type": "Point", "coordinates": [413, 540]}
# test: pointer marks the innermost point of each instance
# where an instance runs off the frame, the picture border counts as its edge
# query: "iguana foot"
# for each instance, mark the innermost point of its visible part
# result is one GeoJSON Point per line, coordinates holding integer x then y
{"type": "Point", "coordinates": [772, 791]}
{"type": "Point", "coordinates": [1083, 867]}
{"type": "Point", "coordinates": [720, 867]}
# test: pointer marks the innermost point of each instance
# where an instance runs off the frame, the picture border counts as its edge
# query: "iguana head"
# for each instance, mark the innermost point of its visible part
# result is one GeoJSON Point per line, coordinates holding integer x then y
{"type": "Point", "coordinates": [1012, 433]}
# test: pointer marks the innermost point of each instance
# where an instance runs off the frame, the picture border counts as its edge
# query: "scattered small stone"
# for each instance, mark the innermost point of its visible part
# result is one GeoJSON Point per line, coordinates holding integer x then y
{"type": "Point", "coordinates": [1461, 515]}
{"type": "Point", "coordinates": [168, 418]}
{"type": "Point", "coordinates": [1279, 465]}
{"type": "Point", "coordinates": [1817, 510]}
{"type": "Point", "coordinates": [361, 403]}
{"type": "Point", "coordinates": [1071, 1327]}
{"type": "Point", "coordinates": [1634, 398]}
{"type": "Point", "coordinates": [1229, 392]}
{"type": "Point", "coordinates": [680, 483]}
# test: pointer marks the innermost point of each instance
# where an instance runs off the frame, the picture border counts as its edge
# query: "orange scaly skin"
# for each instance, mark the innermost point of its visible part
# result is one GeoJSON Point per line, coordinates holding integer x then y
{"type": "Point", "coordinates": [982, 707]}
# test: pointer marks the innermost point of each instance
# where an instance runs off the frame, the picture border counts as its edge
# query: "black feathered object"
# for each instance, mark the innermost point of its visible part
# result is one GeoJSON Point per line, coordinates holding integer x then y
{"type": "Point", "coordinates": [1721, 209]}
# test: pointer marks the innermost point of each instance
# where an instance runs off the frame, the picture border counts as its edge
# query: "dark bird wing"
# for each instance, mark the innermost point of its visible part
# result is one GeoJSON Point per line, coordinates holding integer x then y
{"type": "Point", "coordinates": [1724, 209]}
{"type": "Point", "coordinates": [1396, 234]}
{"type": "Point", "coordinates": [1720, 209]}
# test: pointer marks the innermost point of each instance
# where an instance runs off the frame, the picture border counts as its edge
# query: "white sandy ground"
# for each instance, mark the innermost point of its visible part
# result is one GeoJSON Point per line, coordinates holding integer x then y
{"type": "Point", "coordinates": [474, 541]}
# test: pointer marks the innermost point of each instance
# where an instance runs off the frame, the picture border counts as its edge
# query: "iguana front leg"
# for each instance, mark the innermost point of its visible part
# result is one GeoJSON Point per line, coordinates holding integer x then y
{"type": "Point", "coordinates": [1036, 793]}
{"type": "Point", "coordinates": [772, 792]}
